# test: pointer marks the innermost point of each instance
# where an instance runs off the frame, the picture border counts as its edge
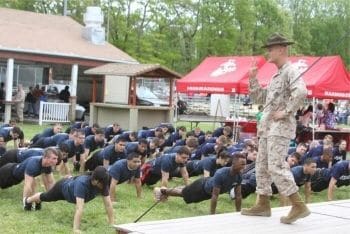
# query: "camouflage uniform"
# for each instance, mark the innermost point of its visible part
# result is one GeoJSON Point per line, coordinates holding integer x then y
{"type": "Point", "coordinates": [275, 135]}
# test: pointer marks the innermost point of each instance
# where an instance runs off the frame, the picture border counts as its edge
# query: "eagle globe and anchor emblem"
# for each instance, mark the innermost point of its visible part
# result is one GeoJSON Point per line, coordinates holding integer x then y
{"type": "Point", "coordinates": [301, 64]}
{"type": "Point", "coordinates": [226, 67]}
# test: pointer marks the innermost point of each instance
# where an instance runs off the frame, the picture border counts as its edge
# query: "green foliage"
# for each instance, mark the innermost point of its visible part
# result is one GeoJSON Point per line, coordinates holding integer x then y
{"type": "Point", "coordinates": [180, 34]}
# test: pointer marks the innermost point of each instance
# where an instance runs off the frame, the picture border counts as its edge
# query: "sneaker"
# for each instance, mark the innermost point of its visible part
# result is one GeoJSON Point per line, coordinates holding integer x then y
{"type": "Point", "coordinates": [26, 206]}
{"type": "Point", "coordinates": [232, 194]}
{"type": "Point", "coordinates": [159, 196]}
{"type": "Point", "coordinates": [157, 193]}
{"type": "Point", "coordinates": [38, 206]}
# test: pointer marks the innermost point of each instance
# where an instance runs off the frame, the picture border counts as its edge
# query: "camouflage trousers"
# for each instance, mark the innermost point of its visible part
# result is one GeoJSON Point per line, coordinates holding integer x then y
{"type": "Point", "coordinates": [271, 166]}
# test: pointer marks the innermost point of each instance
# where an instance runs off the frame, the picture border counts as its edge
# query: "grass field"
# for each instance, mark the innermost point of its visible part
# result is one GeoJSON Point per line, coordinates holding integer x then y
{"type": "Point", "coordinates": [57, 217]}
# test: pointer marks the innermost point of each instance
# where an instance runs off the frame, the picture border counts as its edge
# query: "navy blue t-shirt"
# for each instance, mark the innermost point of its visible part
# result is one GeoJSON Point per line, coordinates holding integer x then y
{"type": "Point", "coordinates": [109, 133]}
{"type": "Point", "coordinates": [91, 144]}
{"type": "Point", "coordinates": [205, 150]}
{"type": "Point", "coordinates": [208, 164]}
{"type": "Point", "coordinates": [233, 149]}
{"type": "Point", "coordinates": [111, 155]}
{"type": "Point", "coordinates": [27, 153]}
{"type": "Point", "coordinates": [165, 163]}
{"type": "Point", "coordinates": [73, 150]}
{"type": "Point", "coordinates": [208, 148]}
{"type": "Point", "coordinates": [149, 133]}
{"type": "Point", "coordinates": [291, 150]}
{"type": "Point", "coordinates": [120, 171]}
{"type": "Point", "coordinates": [173, 149]}
{"type": "Point", "coordinates": [44, 142]}
{"type": "Point", "coordinates": [197, 154]}
{"type": "Point", "coordinates": [173, 138]}
{"type": "Point", "coordinates": [5, 132]}
{"type": "Point", "coordinates": [47, 132]}
{"type": "Point", "coordinates": [319, 163]}
{"type": "Point", "coordinates": [219, 132]}
{"type": "Point", "coordinates": [340, 169]}
{"type": "Point", "coordinates": [314, 152]}
{"type": "Point", "coordinates": [222, 179]}
{"type": "Point", "coordinates": [180, 143]}
{"type": "Point", "coordinates": [338, 155]}
{"type": "Point", "coordinates": [81, 187]}
{"type": "Point", "coordinates": [212, 140]}
{"type": "Point", "coordinates": [54, 140]}
{"type": "Point", "coordinates": [299, 177]}
{"type": "Point", "coordinates": [249, 178]}
{"type": "Point", "coordinates": [146, 133]}
{"type": "Point", "coordinates": [59, 138]}
{"type": "Point", "coordinates": [88, 131]}
{"type": "Point", "coordinates": [201, 140]}
{"type": "Point", "coordinates": [131, 147]}
{"type": "Point", "coordinates": [32, 167]}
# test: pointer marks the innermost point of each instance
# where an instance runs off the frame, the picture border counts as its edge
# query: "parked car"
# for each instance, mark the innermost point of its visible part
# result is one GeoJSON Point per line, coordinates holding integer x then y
{"type": "Point", "coordinates": [145, 97]}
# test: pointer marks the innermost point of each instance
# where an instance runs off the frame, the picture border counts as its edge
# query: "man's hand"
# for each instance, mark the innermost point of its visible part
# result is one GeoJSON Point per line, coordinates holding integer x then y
{"type": "Point", "coordinates": [278, 115]}
{"type": "Point", "coordinates": [253, 69]}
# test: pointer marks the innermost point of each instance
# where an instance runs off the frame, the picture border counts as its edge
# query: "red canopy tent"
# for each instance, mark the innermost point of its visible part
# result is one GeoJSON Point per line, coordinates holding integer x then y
{"type": "Point", "coordinates": [327, 79]}
{"type": "Point", "coordinates": [218, 75]}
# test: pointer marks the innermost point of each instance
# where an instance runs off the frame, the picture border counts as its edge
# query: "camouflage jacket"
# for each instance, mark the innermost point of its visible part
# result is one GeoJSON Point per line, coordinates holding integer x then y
{"type": "Point", "coordinates": [283, 93]}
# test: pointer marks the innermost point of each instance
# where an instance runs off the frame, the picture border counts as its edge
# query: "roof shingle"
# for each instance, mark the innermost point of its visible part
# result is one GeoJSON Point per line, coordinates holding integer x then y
{"type": "Point", "coordinates": [30, 32]}
{"type": "Point", "coordinates": [144, 70]}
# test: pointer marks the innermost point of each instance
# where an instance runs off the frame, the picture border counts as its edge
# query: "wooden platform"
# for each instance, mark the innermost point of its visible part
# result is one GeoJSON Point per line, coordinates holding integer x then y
{"type": "Point", "coordinates": [327, 217]}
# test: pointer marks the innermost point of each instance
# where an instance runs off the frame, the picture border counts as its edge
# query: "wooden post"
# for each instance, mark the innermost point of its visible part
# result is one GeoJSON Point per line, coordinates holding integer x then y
{"type": "Point", "coordinates": [73, 97]}
{"type": "Point", "coordinates": [8, 87]}
{"type": "Point", "coordinates": [93, 99]}
{"type": "Point", "coordinates": [171, 92]}
{"type": "Point", "coordinates": [132, 91]}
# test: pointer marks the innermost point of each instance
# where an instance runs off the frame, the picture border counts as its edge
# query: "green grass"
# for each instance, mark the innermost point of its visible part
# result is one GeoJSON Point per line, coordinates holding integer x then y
{"type": "Point", "coordinates": [57, 217]}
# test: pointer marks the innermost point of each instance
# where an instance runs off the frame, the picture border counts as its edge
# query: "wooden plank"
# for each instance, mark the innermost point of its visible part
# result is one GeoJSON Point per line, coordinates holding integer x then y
{"type": "Point", "coordinates": [322, 220]}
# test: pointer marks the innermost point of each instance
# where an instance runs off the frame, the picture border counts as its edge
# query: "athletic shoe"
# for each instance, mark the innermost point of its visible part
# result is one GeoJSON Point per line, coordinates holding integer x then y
{"type": "Point", "coordinates": [232, 194]}
{"type": "Point", "coordinates": [26, 206]}
{"type": "Point", "coordinates": [38, 206]}
{"type": "Point", "coordinates": [157, 194]}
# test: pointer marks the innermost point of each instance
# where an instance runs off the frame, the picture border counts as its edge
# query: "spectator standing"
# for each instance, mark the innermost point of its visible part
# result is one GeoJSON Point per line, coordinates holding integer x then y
{"type": "Point", "coordinates": [65, 94]}
{"type": "Point", "coordinates": [2, 96]}
{"type": "Point", "coordinates": [19, 99]}
{"type": "Point", "coordinates": [37, 93]}
{"type": "Point", "coordinates": [30, 100]}
{"type": "Point", "coordinates": [329, 119]}
{"type": "Point", "coordinates": [260, 113]}
{"type": "Point", "coordinates": [306, 116]}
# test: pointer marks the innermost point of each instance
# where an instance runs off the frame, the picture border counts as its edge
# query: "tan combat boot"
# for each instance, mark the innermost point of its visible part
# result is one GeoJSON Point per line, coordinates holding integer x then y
{"type": "Point", "coordinates": [299, 210]}
{"type": "Point", "coordinates": [261, 208]}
